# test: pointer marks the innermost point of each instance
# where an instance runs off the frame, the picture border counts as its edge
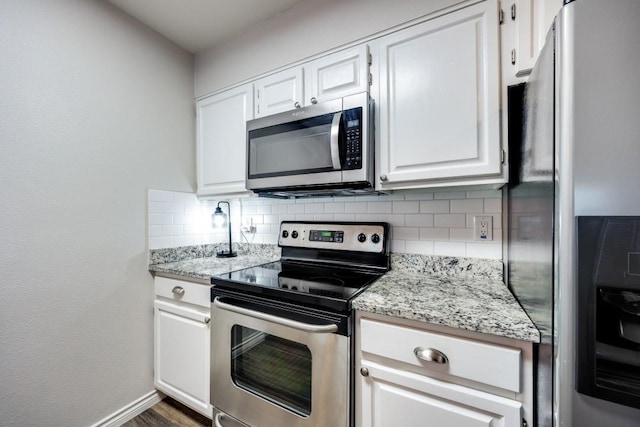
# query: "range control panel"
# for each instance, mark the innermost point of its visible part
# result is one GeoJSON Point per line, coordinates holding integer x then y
{"type": "Point", "coordinates": [362, 237]}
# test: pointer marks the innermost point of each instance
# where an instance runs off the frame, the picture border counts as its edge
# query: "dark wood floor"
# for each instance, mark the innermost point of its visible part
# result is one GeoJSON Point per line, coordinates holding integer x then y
{"type": "Point", "coordinates": [169, 413]}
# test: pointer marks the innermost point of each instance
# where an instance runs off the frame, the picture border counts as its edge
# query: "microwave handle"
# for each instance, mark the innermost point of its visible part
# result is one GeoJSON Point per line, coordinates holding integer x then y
{"type": "Point", "coordinates": [335, 141]}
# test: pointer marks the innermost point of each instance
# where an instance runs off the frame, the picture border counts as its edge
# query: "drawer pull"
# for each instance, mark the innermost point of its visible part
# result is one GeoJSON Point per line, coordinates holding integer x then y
{"type": "Point", "coordinates": [430, 355]}
{"type": "Point", "coordinates": [178, 290]}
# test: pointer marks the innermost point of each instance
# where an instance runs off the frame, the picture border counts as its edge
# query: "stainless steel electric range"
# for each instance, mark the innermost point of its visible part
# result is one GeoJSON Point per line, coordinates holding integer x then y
{"type": "Point", "coordinates": [281, 335]}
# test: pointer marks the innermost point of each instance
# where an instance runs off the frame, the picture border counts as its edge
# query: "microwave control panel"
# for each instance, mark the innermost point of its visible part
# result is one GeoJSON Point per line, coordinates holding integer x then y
{"type": "Point", "coordinates": [353, 139]}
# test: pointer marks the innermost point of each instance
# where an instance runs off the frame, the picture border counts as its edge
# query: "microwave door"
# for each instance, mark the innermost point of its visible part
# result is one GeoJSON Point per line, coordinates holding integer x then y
{"type": "Point", "coordinates": [298, 153]}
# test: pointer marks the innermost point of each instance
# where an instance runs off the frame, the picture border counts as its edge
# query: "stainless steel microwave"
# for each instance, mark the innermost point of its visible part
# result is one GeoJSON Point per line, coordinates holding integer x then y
{"type": "Point", "coordinates": [322, 149]}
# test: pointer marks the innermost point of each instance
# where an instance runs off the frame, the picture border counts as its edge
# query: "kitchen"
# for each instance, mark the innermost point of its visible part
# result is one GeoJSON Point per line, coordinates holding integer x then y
{"type": "Point", "coordinates": [98, 109]}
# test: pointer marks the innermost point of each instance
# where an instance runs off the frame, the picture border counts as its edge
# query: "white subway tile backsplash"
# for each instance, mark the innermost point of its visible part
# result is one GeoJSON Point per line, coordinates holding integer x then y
{"type": "Point", "coordinates": [450, 195]}
{"type": "Point", "coordinates": [406, 233]}
{"type": "Point", "coordinates": [344, 217]}
{"type": "Point", "coordinates": [279, 209]}
{"type": "Point", "coordinates": [334, 207]}
{"type": "Point", "coordinates": [155, 230]}
{"type": "Point", "coordinates": [419, 247]}
{"type": "Point", "coordinates": [314, 208]}
{"type": "Point", "coordinates": [450, 249]}
{"type": "Point", "coordinates": [484, 194]}
{"type": "Point", "coordinates": [466, 205]}
{"type": "Point", "coordinates": [368, 217]}
{"type": "Point", "coordinates": [461, 234]}
{"type": "Point", "coordinates": [379, 207]}
{"type": "Point", "coordinates": [419, 220]}
{"type": "Point", "coordinates": [295, 208]}
{"type": "Point", "coordinates": [449, 220]}
{"type": "Point", "coordinates": [492, 205]}
{"type": "Point", "coordinates": [160, 219]}
{"type": "Point", "coordinates": [355, 207]}
{"type": "Point", "coordinates": [409, 207]}
{"type": "Point", "coordinates": [484, 250]}
{"type": "Point", "coordinates": [434, 234]}
{"type": "Point", "coordinates": [398, 246]}
{"type": "Point", "coordinates": [422, 222]}
{"type": "Point", "coordinates": [434, 206]}
{"type": "Point", "coordinates": [395, 220]}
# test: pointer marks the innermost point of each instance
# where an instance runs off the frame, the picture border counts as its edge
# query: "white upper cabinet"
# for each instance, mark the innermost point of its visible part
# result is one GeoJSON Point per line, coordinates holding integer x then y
{"type": "Point", "coordinates": [337, 75]}
{"type": "Point", "coordinates": [439, 106]}
{"type": "Point", "coordinates": [330, 77]}
{"type": "Point", "coordinates": [279, 92]}
{"type": "Point", "coordinates": [533, 19]}
{"type": "Point", "coordinates": [221, 141]}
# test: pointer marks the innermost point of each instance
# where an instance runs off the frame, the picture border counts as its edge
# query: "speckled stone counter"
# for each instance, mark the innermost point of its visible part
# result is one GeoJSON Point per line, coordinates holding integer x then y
{"type": "Point", "coordinates": [200, 263]}
{"type": "Point", "coordinates": [464, 293]}
{"type": "Point", "coordinates": [470, 295]}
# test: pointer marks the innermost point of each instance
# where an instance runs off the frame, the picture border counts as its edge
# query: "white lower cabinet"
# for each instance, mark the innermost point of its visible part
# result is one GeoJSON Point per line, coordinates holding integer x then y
{"type": "Point", "coordinates": [182, 342]}
{"type": "Point", "coordinates": [409, 376]}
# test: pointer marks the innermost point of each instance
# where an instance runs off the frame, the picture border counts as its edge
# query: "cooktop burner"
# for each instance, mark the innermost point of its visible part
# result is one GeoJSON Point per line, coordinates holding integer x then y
{"type": "Point", "coordinates": [317, 271]}
{"type": "Point", "coordinates": [299, 282]}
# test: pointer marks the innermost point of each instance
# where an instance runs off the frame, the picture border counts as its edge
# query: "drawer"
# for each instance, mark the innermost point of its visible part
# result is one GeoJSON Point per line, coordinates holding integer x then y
{"type": "Point", "coordinates": [180, 290]}
{"type": "Point", "coordinates": [486, 363]}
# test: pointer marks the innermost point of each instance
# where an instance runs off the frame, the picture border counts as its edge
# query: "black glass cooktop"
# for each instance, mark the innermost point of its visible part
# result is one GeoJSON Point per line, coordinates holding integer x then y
{"type": "Point", "coordinates": [302, 283]}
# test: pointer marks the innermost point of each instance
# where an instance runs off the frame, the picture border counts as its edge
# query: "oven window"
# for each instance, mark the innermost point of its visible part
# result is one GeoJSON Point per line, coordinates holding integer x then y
{"type": "Point", "coordinates": [273, 368]}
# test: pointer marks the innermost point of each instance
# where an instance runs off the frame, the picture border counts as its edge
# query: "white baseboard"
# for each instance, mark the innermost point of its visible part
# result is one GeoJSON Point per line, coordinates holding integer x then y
{"type": "Point", "coordinates": [130, 411]}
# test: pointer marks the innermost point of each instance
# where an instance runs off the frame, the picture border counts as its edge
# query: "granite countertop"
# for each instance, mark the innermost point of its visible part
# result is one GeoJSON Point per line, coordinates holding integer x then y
{"type": "Point", "coordinates": [200, 263]}
{"type": "Point", "coordinates": [475, 304]}
{"type": "Point", "coordinates": [463, 293]}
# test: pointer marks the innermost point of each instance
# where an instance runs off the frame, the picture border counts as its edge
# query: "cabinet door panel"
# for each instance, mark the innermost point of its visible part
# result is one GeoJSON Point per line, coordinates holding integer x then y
{"type": "Point", "coordinates": [439, 98]}
{"type": "Point", "coordinates": [533, 21]}
{"type": "Point", "coordinates": [339, 74]}
{"type": "Point", "coordinates": [404, 399]}
{"type": "Point", "coordinates": [279, 92]}
{"type": "Point", "coordinates": [221, 141]}
{"type": "Point", "coordinates": [182, 355]}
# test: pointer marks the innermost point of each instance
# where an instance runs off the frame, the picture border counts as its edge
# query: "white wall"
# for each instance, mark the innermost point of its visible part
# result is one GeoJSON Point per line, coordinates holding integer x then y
{"type": "Point", "coordinates": [307, 29]}
{"type": "Point", "coordinates": [422, 222]}
{"type": "Point", "coordinates": [94, 110]}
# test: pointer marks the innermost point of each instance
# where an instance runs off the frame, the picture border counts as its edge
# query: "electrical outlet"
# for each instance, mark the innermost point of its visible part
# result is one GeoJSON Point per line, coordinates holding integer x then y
{"type": "Point", "coordinates": [483, 228]}
{"type": "Point", "coordinates": [248, 227]}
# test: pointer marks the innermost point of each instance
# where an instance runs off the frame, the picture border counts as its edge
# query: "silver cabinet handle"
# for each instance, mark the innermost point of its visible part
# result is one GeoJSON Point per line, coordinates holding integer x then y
{"type": "Point", "coordinates": [178, 290]}
{"type": "Point", "coordinates": [275, 319]}
{"type": "Point", "coordinates": [207, 319]}
{"type": "Point", "coordinates": [430, 355]}
{"type": "Point", "coordinates": [364, 372]}
{"type": "Point", "coordinates": [314, 100]}
{"type": "Point", "coordinates": [297, 105]}
{"type": "Point", "coordinates": [383, 177]}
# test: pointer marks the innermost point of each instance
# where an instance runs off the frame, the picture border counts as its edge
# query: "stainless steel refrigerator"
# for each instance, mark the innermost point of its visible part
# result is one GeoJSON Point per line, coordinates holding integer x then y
{"type": "Point", "coordinates": [573, 209]}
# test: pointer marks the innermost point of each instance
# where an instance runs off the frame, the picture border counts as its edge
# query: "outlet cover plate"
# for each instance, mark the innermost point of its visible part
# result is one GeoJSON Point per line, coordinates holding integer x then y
{"type": "Point", "coordinates": [483, 228]}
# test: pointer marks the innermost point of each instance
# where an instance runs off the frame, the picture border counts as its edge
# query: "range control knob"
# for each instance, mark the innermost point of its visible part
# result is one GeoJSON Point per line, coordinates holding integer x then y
{"type": "Point", "coordinates": [375, 238]}
{"type": "Point", "coordinates": [294, 234]}
{"type": "Point", "coordinates": [285, 234]}
{"type": "Point", "coordinates": [362, 238]}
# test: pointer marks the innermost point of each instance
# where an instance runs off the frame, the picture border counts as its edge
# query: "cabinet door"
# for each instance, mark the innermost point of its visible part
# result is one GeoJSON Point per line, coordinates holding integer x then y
{"type": "Point", "coordinates": [399, 398]}
{"type": "Point", "coordinates": [533, 19]}
{"type": "Point", "coordinates": [221, 141]}
{"type": "Point", "coordinates": [279, 92]}
{"type": "Point", "coordinates": [337, 75]}
{"type": "Point", "coordinates": [182, 349]}
{"type": "Point", "coordinates": [439, 109]}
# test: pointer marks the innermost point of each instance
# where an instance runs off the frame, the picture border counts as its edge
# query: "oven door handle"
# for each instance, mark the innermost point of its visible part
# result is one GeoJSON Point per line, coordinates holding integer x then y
{"type": "Point", "coordinates": [322, 329]}
{"type": "Point", "coordinates": [335, 141]}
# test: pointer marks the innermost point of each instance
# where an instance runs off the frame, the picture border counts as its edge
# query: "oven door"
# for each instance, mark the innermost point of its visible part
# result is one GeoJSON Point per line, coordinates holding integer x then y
{"type": "Point", "coordinates": [272, 368]}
